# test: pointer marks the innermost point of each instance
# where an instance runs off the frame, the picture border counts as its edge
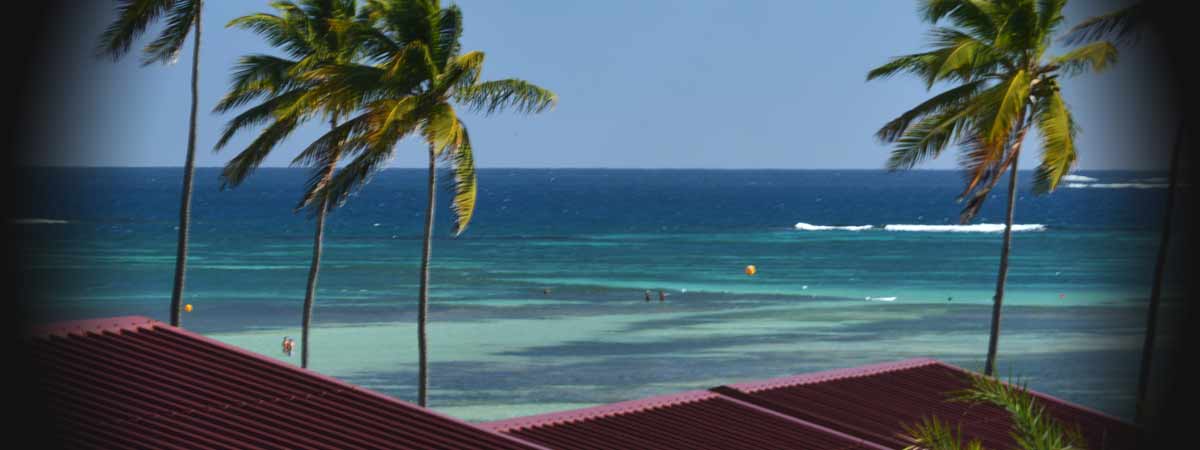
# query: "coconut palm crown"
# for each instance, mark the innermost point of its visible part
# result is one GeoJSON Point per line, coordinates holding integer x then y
{"type": "Point", "coordinates": [1004, 82]}
{"type": "Point", "coordinates": [417, 77]}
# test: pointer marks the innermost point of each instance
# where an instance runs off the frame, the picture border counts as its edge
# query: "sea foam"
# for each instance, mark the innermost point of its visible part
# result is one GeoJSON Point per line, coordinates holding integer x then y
{"type": "Point", "coordinates": [1117, 185]}
{"type": "Point", "coordinates": [37, 221]}
{"type": "Point", "coordinates": [974, 228]}
{"type": "Point", "coordinates": [1078, 178]}
{"type": "Point", "coordinates": [810, 227]}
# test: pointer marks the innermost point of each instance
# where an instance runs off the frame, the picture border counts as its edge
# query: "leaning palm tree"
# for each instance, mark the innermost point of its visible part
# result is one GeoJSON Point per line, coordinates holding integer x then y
{"type": "Point", "coordinates": [1127, 26]}
{"type": "Point", "coordinates": [1005, 84]}
{"type": "Point", "coordinates": [416, 78]}
{"type": "Point", "coordinates": [182, 17]}
{"type": "Point", "coordinates": [304, 30]}
{"type": "Point", "coordinates": [1032, 427]}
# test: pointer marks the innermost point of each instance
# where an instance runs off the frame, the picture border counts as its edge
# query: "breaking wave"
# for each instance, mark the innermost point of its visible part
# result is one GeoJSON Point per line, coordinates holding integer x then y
{"type": "Point", "coordinates": [1117, 185]}
{"type": "Point", "coordinates": [37, 221]}
{"type": "Point", "coordinates": [1078, 178]}
{"type": "Point", "coordinates": [974, 228]}
{"type": "Point", "coordinates": [810, 227]}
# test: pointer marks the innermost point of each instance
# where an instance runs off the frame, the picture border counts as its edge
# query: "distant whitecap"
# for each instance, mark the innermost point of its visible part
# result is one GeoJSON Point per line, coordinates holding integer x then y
{"type": "Point", "coordinates": [974, 228]}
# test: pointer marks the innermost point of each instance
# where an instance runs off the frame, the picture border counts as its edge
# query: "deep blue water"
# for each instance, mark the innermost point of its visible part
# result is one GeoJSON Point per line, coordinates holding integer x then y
{"type": "Point", "coordinates": [103, 245]}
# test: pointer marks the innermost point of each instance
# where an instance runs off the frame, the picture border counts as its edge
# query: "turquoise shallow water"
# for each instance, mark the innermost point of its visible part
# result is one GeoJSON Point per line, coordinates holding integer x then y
{"type": "Point", "coordinates": [102, 245]}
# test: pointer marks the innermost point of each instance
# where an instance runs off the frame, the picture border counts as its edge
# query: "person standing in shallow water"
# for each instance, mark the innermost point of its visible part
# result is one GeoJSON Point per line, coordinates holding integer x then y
{"type": "Point", "coordinates": [647, 296]}
{"type": "Point", "coordinates": [662, 296]}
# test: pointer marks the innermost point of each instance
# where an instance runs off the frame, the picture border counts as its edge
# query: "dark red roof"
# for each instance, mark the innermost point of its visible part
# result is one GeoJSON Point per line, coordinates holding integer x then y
{"type": "Point", "coordinates": [874, 401]}
{"type": "Point", "coordinates": [691, 420]}
{"type": "Point", "coordinates": [132, 382]}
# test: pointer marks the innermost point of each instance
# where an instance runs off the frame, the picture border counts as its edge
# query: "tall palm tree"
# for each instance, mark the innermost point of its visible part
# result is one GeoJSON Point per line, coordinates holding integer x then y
{"type": "Point", "coordinates": [1005, 84]}
{"type": "Point", "coordinates": [416, 78]}
{"type": "Point", "coordinates": [305, 31]}
{"type": "Point", "coordinates": [181, 17]}
{"type": "Point", "coordinates": [1127, 26]}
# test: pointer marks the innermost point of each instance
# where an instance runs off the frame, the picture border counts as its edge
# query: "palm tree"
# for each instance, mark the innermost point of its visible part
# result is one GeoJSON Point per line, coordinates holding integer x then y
{"type": "Point", "coordinates": [1126, 26]}
{"type": "Point", "coordinates": [1033, 428]}
{"type": "Point", "coordinates": [305, 31]}
{"type": "Point", "coordinates": [995, 54]}
{"type": "Point", "coordinates": [416, 77]}
{"type": "Point", "coordinates": [181, 16]}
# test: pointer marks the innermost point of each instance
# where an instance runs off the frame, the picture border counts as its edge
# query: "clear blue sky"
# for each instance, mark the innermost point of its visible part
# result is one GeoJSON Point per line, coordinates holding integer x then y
{"type": "Point", "coordinates": [642, 84]}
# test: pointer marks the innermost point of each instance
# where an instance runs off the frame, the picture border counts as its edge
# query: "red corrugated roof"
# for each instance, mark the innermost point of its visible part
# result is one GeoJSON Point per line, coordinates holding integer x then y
{"type": "Point", "coordinates": [132, 382]}
{"type": "Point", "coordinates": [874, 401]}
{"type": "Point", "coordinates": [691, 420]}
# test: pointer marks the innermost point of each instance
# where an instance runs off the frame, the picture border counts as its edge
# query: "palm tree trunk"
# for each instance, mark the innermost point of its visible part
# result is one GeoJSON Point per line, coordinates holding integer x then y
{"type": "Point", "coordinates": [189, 169]}
{"type": "Point", "coordinates": [997, 301]}
{"type": "Point", "coordinates": [1156, 289]}
{"type": "Point", "coordinates": [310, 293]}
{"type": "Point", "coordinates": [423, 307]}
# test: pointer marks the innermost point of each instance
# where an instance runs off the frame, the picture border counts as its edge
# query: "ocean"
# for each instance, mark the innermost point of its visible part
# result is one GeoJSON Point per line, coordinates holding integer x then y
{"type": "Point", "coordinates": [540, 305]}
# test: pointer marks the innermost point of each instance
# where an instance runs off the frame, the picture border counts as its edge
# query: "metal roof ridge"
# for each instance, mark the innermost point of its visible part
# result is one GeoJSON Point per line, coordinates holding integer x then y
{"type": "Point", "coordinates": [831, 375]}
{"type": "Point", "coordinates": [96, 326]}
{"type": "Point", "coordinates": [599, 411]}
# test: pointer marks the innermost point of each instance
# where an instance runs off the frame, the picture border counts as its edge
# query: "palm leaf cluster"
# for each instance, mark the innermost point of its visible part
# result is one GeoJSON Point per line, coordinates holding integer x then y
{"type": "Point", "coordinates": [134, 16]}
{"type": "Point", "coordinates": [1032, 427]}
{"type": "Point", "coordinates": [994, 53]}
{"type": "Point", "coordinates": [401, 74]}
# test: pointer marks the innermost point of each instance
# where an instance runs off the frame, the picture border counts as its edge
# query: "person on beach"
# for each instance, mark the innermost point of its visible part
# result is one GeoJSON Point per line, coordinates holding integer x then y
{"type": "Point", "coordinates": [288, 345]}
{"type": "Point", "coordinates": [662, 296]}
{"type": "Point", "coordinates": [647, 296]}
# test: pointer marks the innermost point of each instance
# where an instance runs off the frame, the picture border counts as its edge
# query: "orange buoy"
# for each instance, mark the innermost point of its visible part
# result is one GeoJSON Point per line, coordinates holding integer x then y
{"type": "Point", "coordinates": [751, 270]}
{"type": "Point", "coordinates": [187, 307]}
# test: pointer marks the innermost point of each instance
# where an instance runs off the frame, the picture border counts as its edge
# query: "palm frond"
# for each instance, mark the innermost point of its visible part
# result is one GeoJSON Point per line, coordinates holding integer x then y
{"type": "Point", "coordinates": [133, 16]}
{"type": "Point", "coordinates": [1007, 108]}
{"type": "Point", "coordinates": [920, 64]}
{"type": "Point", "coordinates": [282, 32]}
{"type": "Point", "coordinates": [930, 135]}
{"type": "Point", "coordinates": [1058, 130]}
{"type": "Point", "coordinates": [1033, 427]}
{"type": "Point", "coordinates": [934, 434]}
{"type": "Point", "coordinates": [166, 49]}
{"type": "Point", "coordinates": [1093, 57]}
{"type": "Point", "coordinates": [1122, 26]}
{"type": "Point", "coordinates": [241, 166]}
{"type": "Point", "coordinates": [449, 33]}
{"type": "Point", "coordinates": [258, 115]}
{"type": "Point", "coordinates": [256, 76]}
{"type": "Point", "coordinates": [954, 97]}
{"type": "Point", "coordinates": [465, 187]}
{"type": "Point", "coordinates": [519, 95]}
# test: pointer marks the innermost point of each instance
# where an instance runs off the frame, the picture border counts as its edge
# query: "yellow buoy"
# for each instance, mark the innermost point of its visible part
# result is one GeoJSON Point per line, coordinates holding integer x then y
{"type": "Point", "coordinates": [187, 307]}
{"type": "Point", "coordinates": [750, 270]}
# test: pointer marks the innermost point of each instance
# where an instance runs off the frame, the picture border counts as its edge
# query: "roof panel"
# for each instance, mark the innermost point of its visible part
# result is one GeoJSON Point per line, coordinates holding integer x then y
{"type": "Point", "coordinates": [134, 382]}
{"type": "Point", "coordinates": [874, 402]}
{"type": "Point", "coordinates": [690, 420]}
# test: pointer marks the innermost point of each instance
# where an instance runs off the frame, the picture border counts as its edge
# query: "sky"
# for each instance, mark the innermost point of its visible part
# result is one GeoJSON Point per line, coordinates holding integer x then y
{"type": "Point", "coordinates": [642, 84]}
